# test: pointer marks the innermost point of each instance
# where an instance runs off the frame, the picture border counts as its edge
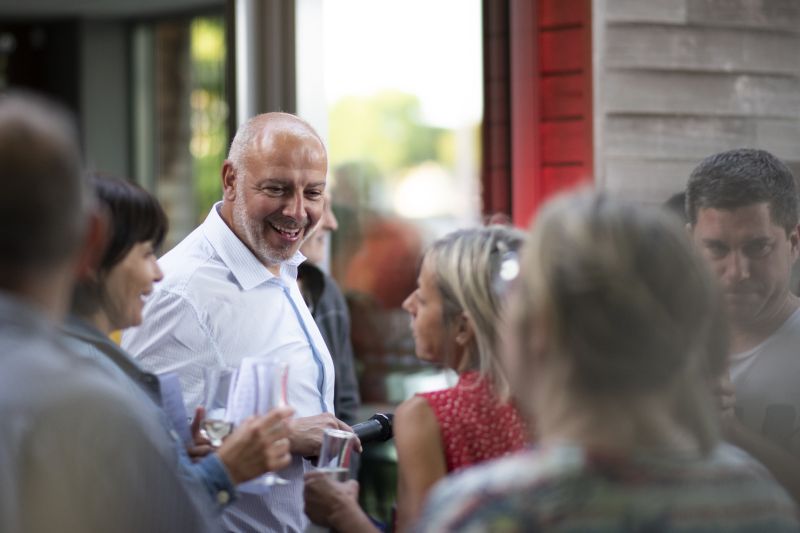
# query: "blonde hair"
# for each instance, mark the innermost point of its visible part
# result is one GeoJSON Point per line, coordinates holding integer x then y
{"type": "Point", "coordinates": [625, 301]}
{"type": "Point", "coordinates": [465, 264]}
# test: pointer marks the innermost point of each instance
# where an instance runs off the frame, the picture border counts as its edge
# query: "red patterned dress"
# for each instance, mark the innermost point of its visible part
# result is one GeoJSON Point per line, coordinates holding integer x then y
{"type": "Point", "coordinates": [475, 426]}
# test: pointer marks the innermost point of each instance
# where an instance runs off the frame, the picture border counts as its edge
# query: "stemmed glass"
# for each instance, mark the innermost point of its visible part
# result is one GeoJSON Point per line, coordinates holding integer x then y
{"type": "Point", "coordinates": [269, 392]}
{"type": "Point", "coordinates": [335, 454]}
{"type": "Point", "coordinates": [217, 423]}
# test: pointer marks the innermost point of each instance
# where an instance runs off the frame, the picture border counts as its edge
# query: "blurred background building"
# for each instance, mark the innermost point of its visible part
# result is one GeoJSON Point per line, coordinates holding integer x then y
{"type": "Point", "coordinates": [436, 113]}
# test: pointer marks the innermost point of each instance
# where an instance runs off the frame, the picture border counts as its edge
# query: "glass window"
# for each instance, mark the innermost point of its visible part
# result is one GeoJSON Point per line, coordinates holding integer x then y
{"type": "Point", "coordinates": [180, 115]}
{"type": "Point", "coordinates": [396, 90]}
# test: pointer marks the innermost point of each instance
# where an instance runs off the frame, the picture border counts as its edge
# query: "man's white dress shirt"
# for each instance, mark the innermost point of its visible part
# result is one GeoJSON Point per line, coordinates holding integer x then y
{"type": "Point", "coordinates": [217, 305]}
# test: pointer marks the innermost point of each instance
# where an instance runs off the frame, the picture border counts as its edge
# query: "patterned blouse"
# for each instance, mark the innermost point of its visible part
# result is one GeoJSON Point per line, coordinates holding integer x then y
{"type": "Point", "coordinates": [567, 488]}
{"type": "Point", "coordinates": [475, 425]}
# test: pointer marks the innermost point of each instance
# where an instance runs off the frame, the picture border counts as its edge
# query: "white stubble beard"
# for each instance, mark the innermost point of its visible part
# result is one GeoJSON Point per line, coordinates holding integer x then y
{"type": "Point", "coordinates": [253, 232]}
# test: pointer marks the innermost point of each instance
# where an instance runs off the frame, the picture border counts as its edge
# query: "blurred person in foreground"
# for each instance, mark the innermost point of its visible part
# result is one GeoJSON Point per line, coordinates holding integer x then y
{"type": "Point", "coordinates": [455, 311]}
{"type": "Point", "coordinates": [109, 298]}
{"type": "Point", "coordinates": [230, 292]}
{"type": "Point", "coordinates": [77, 452]}
{"type": "Point", "coordinates": [329, 309]}
{"type": "Point", "coordinates": [742, 207]}
{"type": "Point", "coordinates": [614, 328]}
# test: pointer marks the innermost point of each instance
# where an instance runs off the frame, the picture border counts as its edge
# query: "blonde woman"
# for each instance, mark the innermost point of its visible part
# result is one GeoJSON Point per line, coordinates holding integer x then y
{"type": "Point", "coordinates": [454, 316]}
{"type": "Point", "coordinates": [615, 331]}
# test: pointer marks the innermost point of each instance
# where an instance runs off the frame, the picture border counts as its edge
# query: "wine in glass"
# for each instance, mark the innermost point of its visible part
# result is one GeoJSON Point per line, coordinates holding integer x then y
{"type": "Point", "coordinates": [216, 386]}
{"type": "Point", "coordinates": [335, 454]}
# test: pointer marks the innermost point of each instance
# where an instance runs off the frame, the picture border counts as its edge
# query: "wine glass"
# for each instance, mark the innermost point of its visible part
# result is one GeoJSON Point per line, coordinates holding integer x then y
{"type": "Point", "coordinates": [335, 454]}
{"type": "Point", "coordinates": [270, 380]}
{"type": "Point", "coordinates": [217, 423]}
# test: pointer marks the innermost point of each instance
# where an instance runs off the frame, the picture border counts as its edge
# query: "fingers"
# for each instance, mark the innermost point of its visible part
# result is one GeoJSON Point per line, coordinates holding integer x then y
{"type": "Point", "coordinates": [277, 419]}
{"type": "Point", "coordinates": [312, 476]}
{"type": "Point", "coordinates": [356, 442]}
{"type": "Point", "coordinates": [351, 488]}
{"type": "Point", "coordinates": [199, 415]}
{"type": "Point", "coordinates": [279, 413]}
{"type": "Point", "coordinates": [278, 455]}
{"type": "Point", "coordinates": [276, 422]}
{"type": "Point", "coordinates": [196, 453]}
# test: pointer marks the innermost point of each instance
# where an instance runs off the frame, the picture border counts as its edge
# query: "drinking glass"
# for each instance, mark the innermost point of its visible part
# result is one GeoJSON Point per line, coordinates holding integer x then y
{"type": "Point", "coordinates": [269, 392]}
{"type": "Point", "coordinates": [217, 423]}
{"type": "Point", "coordinates": [335, 454]}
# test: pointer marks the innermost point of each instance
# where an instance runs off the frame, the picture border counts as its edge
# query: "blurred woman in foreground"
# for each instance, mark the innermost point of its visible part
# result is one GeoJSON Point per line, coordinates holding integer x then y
{"type": "Point", "coordinates": [614, 333]}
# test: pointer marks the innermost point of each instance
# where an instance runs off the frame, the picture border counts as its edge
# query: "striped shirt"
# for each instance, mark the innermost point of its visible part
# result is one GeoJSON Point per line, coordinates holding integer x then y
{"type": "Point", "coordinates": [217, 305]}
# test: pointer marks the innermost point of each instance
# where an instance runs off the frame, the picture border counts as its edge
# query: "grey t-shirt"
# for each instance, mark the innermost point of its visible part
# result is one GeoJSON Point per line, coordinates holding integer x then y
{"type": "Point", "coordinates": [766, 380]}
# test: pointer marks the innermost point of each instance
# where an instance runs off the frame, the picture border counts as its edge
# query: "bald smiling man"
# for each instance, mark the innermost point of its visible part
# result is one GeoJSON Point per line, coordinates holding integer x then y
{"type": "Point", "coordinates": [230, 292]}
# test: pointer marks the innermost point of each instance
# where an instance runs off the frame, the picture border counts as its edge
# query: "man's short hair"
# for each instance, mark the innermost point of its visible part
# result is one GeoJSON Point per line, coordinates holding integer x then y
{"type": "Point", "coordinates": [42, 191]}
{"type": "Point", "coordinates": [743, 177]}
{"type": "Point", "coordinates": [676, 204]}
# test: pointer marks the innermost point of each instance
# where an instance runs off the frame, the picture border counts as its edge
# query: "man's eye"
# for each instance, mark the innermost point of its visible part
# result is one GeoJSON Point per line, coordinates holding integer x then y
{"type": "Point", "coordinates": [314, 194]}
{"type": "Point", "coordinates": [716, 250]}
{"type": "Point", "coordinates": [274, 190]}
{"type": "Point", "coordinates": [757, 249]}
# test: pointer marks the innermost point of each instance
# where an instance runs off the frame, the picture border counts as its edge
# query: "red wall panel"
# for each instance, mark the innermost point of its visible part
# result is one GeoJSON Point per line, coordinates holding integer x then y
{"type": "Point", "coordinates": [551, 100]}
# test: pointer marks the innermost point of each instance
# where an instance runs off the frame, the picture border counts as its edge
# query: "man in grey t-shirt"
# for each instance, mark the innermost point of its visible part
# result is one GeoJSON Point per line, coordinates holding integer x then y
{"type": "Point", "coordinates": [742, 207]}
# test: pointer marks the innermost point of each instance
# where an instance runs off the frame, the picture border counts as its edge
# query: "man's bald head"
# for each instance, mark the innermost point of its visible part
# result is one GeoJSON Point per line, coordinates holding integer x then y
{"type": "Point", "coordinates": [266, 129]}
{"type": "Point", "coordinates": [42, 191]}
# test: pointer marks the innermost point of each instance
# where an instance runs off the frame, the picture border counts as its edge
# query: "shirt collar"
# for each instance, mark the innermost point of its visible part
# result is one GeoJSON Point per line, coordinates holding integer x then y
{"type": "Point", "coordinates": [78, 327]}
{"type": "Point", "coordinates": [245, 267]}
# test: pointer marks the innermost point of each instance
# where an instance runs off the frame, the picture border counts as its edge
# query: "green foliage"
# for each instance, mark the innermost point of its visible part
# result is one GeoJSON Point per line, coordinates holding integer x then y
{"type": "Point", "coordinates": [209, 110]}
{"type": "Point", "coordinates": [385, 130]}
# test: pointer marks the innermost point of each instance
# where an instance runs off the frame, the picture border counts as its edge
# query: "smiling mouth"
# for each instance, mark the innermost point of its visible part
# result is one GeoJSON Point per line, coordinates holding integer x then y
{"type": "Point", "coordinates": [288, 233]}
{"type": "Point", "coordinates": [739, 296]}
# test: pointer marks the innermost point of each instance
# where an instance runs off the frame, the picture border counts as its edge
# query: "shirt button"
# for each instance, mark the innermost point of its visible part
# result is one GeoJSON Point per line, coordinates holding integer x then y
{"type": "Point", "coordinates": [223, 497]}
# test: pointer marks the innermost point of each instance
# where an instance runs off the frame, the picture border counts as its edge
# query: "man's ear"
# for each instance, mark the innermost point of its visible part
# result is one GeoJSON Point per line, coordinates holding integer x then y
{"type": "Point", "coordinates": [794, 240]}
{"type": "Point", "coordinates": [228, 181]}
{"type": "Point", "coordinates": [94, 244]}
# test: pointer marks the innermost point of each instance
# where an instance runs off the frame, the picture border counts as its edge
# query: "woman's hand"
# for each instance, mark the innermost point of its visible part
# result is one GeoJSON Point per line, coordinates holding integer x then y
{"type": "Point", "coordinates": [258, 445]}
{"type": "Point", "coordinates": [334, 504]}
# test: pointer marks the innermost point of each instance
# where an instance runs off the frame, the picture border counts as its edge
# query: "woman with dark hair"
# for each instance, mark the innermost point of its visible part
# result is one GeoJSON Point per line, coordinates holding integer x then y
{"type": "Point", "coordinates": [112, 297]}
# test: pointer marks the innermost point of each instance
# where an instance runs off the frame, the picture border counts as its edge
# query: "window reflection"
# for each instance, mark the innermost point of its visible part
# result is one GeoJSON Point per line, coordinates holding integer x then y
{"type": "Point", "coordinates": [180, 115]}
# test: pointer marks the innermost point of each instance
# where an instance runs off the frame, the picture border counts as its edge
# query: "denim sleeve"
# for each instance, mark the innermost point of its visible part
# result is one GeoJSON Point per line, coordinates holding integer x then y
{"type": "Point", "coordinates": [214, 476]}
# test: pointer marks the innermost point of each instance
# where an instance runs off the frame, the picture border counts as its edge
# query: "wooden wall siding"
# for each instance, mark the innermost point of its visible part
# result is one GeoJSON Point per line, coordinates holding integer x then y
{"type": "Point", "coordinates": [496, 128]}
{"type": "Point", "coordinates": [682, 79]}
{"type": "Point", "coordinates": [551, 100]}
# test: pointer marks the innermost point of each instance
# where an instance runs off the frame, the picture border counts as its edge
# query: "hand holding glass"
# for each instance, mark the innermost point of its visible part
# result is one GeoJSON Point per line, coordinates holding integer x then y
{"type": "Point", "coordinates": [335, 454]}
